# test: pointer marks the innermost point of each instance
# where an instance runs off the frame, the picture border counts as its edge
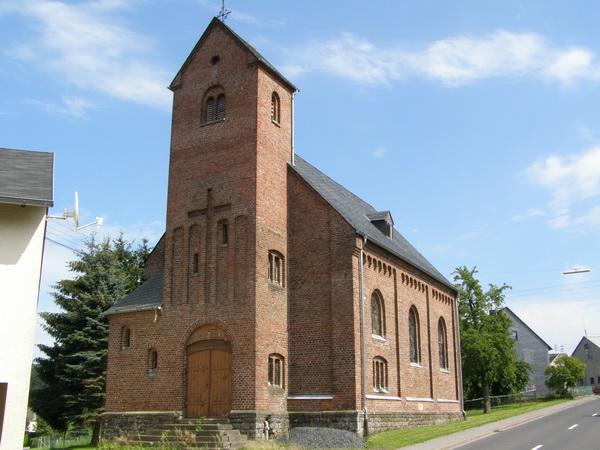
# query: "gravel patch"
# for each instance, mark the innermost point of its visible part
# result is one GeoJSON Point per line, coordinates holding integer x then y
{"type": "Point", "coordinates": [313, 437]}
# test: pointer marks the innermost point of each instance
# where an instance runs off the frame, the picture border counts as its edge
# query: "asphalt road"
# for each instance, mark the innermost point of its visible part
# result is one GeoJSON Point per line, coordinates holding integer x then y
{"type": "Point", "coordinates": [573, 428]}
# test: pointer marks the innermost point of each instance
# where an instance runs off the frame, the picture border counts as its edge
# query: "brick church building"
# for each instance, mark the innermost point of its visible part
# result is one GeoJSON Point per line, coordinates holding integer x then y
{"type": "Point", "coordinates": [275, 293]}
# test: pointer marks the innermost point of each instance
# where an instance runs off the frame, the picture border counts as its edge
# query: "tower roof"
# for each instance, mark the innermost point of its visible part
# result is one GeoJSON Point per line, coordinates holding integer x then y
{"type": "Point", "coordinates": [216, 23]}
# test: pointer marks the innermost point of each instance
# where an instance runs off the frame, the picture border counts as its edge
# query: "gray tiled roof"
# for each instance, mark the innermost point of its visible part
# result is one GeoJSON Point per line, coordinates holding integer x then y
{"type": "Point", "coordinates": [26, 177]}
{"type": "Point", "coordinates": [356, 211]}
{"type": "Point", "coordinates": [145, 298]}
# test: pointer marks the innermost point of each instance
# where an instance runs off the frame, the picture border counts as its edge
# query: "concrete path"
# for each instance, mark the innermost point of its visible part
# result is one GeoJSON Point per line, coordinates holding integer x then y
{"type": "Point", "coordinates": [472, 434]}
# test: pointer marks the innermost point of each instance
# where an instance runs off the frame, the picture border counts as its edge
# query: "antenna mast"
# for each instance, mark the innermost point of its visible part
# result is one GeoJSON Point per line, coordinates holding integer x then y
{"type": "Point", "coordinates": [224, 12]}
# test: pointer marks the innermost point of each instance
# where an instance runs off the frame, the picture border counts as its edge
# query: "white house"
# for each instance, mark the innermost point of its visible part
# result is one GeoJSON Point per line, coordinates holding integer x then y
{"type": "Point", "coordinates": [26, 193]}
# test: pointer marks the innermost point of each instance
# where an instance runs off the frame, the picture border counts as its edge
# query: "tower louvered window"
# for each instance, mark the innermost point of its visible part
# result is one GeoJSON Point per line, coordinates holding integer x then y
{"type": "Point", "coordinates": [220, 106]}
{"type": "Point", "coordinates": [210, 109]}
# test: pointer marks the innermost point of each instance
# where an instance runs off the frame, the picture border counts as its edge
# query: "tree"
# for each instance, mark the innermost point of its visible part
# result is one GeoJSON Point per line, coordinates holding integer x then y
{"type": "Point", "coordinates": [564, 374]}
{"type": "Point", "coordinates": [74, 372]}
{"type": "Point", "coordinates": [488, 355]}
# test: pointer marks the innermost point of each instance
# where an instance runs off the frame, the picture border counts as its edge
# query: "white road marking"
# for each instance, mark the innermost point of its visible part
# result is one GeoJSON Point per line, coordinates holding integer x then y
{"type": "Point", "coordinates": [573, 426]}
{"type": "Point", "coordinates": [537, 446]}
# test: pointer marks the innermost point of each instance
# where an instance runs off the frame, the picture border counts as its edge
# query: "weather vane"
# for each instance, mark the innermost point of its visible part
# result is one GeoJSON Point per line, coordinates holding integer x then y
{"type": "Point", "coordinates": [223, 13]}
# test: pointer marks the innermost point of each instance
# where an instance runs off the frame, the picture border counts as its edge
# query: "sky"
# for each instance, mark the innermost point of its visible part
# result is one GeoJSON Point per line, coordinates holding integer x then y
{"type": "Point", "coordinates": [477, 124]}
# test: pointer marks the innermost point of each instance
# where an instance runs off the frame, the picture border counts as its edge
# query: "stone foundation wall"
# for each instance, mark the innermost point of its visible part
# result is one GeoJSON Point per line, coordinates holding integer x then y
{"type": "Point", "coordinates": [391, 421]}
{"type": "Point", "coordinates": [252, 423]}
{"type": "Point", "coordinates": [115, 425]}
{"type": "Point", "coordinates": [378, 421]}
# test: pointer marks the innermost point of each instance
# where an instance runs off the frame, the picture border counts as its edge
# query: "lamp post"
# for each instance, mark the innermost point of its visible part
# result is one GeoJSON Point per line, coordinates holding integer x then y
{"type": "Point", "coordinates": [572, 271]}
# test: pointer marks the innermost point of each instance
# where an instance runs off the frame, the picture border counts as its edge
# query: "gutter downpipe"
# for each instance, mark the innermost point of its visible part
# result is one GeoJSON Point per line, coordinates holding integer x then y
{"type": "Point", "coordinates": [292, 137]}
{"type": "Point", "coordinates": [363, 341]}
{"type": "Point", "coordinates": [459, 362]}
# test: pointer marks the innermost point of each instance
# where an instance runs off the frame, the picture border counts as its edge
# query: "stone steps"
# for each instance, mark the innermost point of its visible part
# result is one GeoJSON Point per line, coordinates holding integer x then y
{"type": "Point", "coordinates": [193, 433]}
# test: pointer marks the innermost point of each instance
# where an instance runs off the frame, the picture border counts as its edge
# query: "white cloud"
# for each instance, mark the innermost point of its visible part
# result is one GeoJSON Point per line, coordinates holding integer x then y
{"type": "Point", "coordinates": [571, 180]}
{"type": "Point", "coordinates": [529, 214]}
{"type": "Point", "coordinates": [84, 44]}
{"type": "Point", "coordinates": [379, 153]}
{"type": "Point", "coordinates": [71, 106]}
{"type": "Point", "coordinates": [452, 61]}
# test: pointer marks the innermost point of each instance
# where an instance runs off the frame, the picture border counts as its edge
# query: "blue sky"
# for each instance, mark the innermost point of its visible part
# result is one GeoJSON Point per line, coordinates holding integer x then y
{"type": "Point", "coordinates": [477, 124]}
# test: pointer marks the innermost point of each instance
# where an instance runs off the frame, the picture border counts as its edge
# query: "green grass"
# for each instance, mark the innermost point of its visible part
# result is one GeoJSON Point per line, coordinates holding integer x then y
{"type": "Point", "coordinates": [475, 418]}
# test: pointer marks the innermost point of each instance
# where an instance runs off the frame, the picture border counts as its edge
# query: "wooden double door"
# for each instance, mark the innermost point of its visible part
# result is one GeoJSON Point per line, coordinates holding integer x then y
{"type": "Point", "coordinates": [208, 379]}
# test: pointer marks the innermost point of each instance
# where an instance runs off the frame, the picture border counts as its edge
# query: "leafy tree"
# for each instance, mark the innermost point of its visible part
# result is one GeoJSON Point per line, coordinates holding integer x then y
{"type": "Point", "coordinates": [74, 372]}
{"type": "Point", "coordinates": [564, 374]}
{"type": "Point", "coordinates": [488, 355]}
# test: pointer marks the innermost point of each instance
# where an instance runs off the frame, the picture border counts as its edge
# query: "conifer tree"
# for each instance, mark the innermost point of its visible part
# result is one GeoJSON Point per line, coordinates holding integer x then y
{"type": "Point", "coordinates": [74, 371]}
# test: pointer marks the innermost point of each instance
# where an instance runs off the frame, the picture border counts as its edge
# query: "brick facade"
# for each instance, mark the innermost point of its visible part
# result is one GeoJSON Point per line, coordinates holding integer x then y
{"type": "Point", "coordinates": [256, 264]}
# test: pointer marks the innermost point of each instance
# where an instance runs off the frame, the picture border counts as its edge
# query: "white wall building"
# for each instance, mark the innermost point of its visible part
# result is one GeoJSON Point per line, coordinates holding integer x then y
{"type": "Point", "coordinates": [26, 192]}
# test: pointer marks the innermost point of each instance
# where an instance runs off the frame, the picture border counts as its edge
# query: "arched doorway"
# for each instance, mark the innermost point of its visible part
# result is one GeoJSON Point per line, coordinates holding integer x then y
{"type": "Point", "coordinates": [208, 379]}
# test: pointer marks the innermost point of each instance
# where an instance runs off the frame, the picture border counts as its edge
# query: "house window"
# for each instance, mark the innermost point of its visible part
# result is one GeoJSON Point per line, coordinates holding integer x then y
{"type": "Point", "coordinates": [214, 106]}
{"type": "Point", "coordinates": [414, 336]}
{"type": "Point", "coordinates": [514, 334]}
{"type": "Point", "coordinates": [275, 108]}
{"type": "Point", "coordinates": [592, 380]}
{"type": "Point", "coordinates": [3, 391]}
{"type": "Point", "coordinates": [276, 370]}
{"type": "Point", "coordinates": [380, 375]}
{"type": "Point", "coordinates": [377, 315]}
{"type": "Point", "coordinates": [276, 267]}
{"type": "Point", "coordinates": [152, 361]}
{"type": "Point", "coordinates": [442, 344]}
{"type": "Point", "coordinates": [125, 338]}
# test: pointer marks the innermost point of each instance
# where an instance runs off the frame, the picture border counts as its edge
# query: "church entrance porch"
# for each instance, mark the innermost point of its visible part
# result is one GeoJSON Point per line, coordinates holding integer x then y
{"type": "Point", "coordinates": [208, 391]}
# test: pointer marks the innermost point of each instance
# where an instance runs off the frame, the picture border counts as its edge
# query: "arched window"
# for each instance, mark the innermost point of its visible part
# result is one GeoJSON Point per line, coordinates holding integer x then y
{"type": "Point", "coordinates": [414, 336]}
{"type": "Point", "coordinates": [125, 338]}
{"type": "Point", "coordinates": [377, 315]}
{"type": "Point", "coordinates": [276, 370]}
{"type": "Point", "coordinates": [213, 107]}
{"type": "Point", "coordinates": [276, 268]}
{"type": "Point", "coordinates": [275, 108]}
{"type": "Point", "coordinates": [380, 375]}
{"type": "Point", "coordinates": [152, 361]}
{"type": "Point", "coordinates": [442, 344]}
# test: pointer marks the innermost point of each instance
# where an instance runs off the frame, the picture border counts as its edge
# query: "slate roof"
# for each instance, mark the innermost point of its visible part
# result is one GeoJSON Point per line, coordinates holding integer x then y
{"type": "Point", "coordinates": [145, 298]}
{"type": "Point", "coordinates": [26, 177]}
{"type": "Point", "coordinates": [357, 212]}
{"type": "Point", "coordinates": [514, 317]}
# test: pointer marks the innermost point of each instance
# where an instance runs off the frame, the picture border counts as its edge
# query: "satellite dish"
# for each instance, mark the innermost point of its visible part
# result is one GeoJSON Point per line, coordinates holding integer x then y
{"type": "Point", "coordinates": [75, 213]}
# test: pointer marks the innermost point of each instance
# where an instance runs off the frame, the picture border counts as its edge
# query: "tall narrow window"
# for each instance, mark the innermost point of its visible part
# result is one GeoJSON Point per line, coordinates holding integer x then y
{"type": "Point", "coordinates": [276, 370]}
{"type": "Point", "coordinates": [377, 315]}
{"type": "Point", "coordinates": [195, 264]}
{"type": "Point", "coordinates": [275, 108]}
{"type": "Point", "coordinates": [152, 361]}
{"type": "Point", "coordinates": [442, 344]}
{"type": "Point", "coordinates": [210, 110]}
{"type": "Point", "coordinates": [276, 267]}
{"type": "Point", "coordinates": [414, 336]}
{"type": "Point", "coordinates": [224, 233]}
{"type": "Point", "coordinates": [380, 375]}
{"type": "Point", "coordinates": [125, 338]}
{"type": "Point", "coordinates": [221, 106]}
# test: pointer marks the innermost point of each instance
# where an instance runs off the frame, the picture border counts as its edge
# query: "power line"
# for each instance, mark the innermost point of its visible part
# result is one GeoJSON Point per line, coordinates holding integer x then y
{"type": "Point", "coordinates": [62, 245]}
